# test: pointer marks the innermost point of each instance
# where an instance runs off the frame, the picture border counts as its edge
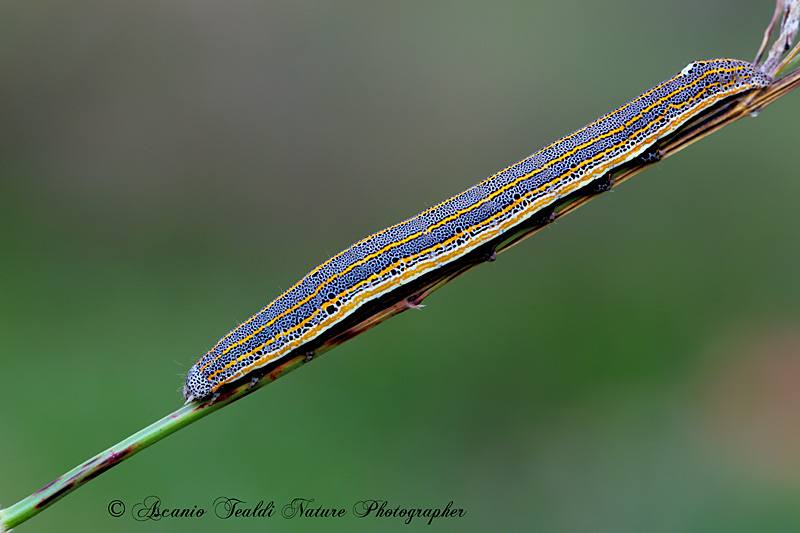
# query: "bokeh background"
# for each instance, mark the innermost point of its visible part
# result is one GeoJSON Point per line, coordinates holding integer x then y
{"type": "Point", "coordinates": [167, 168]}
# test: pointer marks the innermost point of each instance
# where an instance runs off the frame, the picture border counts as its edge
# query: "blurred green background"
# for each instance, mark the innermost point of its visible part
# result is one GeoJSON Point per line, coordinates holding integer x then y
{"type": "Point", "coordinates": [166, 169]}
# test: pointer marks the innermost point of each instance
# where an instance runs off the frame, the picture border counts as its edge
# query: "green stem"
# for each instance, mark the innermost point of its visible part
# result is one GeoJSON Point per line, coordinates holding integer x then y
{"type": "Point", "coordinates": [66, 483]}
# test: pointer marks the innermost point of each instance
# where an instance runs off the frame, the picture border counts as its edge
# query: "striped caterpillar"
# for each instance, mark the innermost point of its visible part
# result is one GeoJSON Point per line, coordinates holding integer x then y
{"type": "Point", "coordinates": [343, 290]}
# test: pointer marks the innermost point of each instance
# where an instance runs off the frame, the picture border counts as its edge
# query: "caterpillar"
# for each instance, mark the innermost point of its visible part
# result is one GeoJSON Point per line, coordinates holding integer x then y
{"type": "Point", "coordinates": [379, 265]}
